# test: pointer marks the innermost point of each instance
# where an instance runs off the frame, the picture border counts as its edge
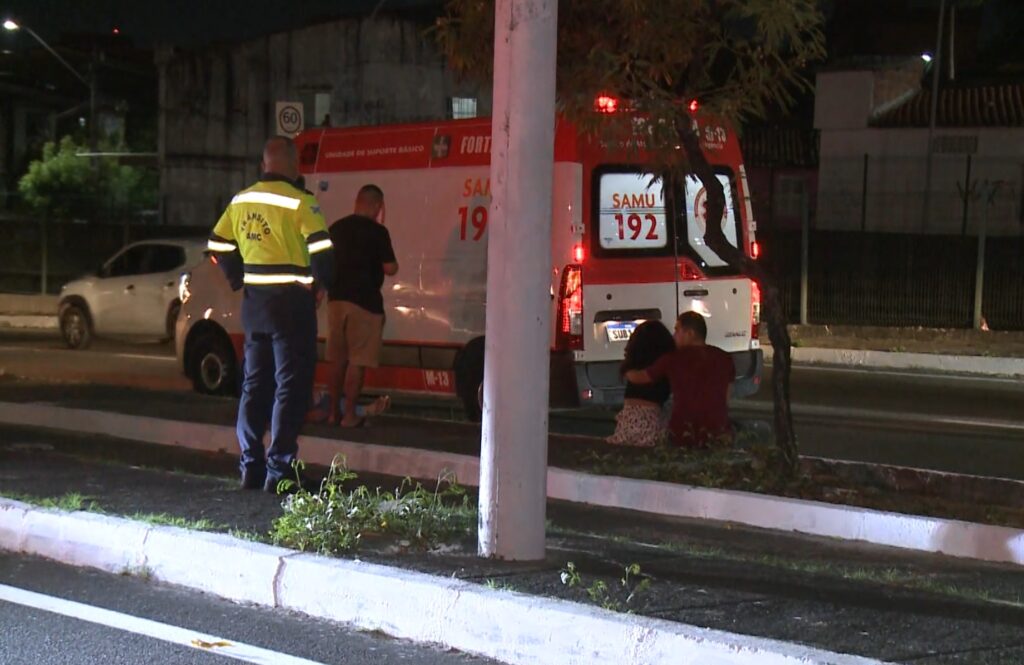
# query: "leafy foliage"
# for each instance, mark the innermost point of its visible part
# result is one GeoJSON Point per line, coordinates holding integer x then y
{"type": "Point", "coordinates": [63, 185]}
{"type": "Point", "coordinates": [632, 585]}
{"type": "Point", "coordinates": [739, 58]}
{"type": "Point", "coordinates": [336, 520]}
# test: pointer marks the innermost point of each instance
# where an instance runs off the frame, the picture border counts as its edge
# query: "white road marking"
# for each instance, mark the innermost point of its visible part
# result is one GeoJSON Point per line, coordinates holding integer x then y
{"type": "Point", "coordinates": [161, 631]}
{"type": "Point", "coordinates": [86, 354]}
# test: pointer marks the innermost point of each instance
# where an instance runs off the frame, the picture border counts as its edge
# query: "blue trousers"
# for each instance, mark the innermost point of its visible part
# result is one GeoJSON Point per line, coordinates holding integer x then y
{"type": "Point", "coordinates": [276, 393]}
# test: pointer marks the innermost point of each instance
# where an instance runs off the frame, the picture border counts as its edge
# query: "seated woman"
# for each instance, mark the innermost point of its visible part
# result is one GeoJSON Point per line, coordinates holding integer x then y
{"type": "Point", "coordinates": [641, 421]}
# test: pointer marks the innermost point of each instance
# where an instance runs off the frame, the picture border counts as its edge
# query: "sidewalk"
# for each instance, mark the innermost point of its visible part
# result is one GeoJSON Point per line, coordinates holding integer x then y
{"type": "Point", "coordinates": [24, 312]}
{"type": "Point", "coordinates": [965, 352]}
{"type": "Point", "coordinates": [870, 601]}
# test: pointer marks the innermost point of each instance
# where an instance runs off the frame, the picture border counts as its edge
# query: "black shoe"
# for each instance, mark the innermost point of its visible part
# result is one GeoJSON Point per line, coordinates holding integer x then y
{"type": "Point", "coordinates": [302, 483]}
{"type": "Point", "coordinates": [253, 479]}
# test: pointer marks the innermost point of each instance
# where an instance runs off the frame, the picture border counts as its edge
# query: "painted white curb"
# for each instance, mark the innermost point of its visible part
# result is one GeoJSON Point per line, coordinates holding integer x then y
{"type": "Point", "coordinates": [511, 627]}
{"type": "Point", "coordinates": [897, 360]}
{"type": "Point", "coordinates": [28, 321]}
{"type": "Point", "coordinates": [912, 532]}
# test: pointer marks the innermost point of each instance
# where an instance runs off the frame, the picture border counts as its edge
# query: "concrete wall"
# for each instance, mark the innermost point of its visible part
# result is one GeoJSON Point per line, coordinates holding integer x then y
{"type": "Point", "coordinates": [897, 163]}
{"type": "Point", "coordinates": [217, 106]}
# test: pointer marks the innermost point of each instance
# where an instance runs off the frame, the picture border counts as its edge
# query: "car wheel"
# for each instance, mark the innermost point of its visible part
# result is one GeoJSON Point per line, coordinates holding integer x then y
{"type": "Point", "coordinates": [213, 366]}
{"type": "Point", "coordinates": [469, 378]}
{"type": "Point", "coordinates": [172, 320]}
{"type": "Point", "coordinates": [75, 327]}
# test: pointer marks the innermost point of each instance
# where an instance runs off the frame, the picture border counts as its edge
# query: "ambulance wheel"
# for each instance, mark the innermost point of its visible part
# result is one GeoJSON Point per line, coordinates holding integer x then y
{"type": "Point", "coordinates": [212, 366]}
{"type": "Point", "coordinates": [75, 327]}
{"type": "Point", "coordinates": [469, 378]}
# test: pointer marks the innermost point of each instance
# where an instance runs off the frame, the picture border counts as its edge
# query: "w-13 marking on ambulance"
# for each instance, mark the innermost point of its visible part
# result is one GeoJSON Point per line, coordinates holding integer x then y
{"type": "Point", "coordinates": [623, 253]}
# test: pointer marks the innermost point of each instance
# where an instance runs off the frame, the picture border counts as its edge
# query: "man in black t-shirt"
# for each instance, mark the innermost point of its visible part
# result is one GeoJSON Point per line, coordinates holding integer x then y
{"type": "Point", "coordinates": [363, 256]}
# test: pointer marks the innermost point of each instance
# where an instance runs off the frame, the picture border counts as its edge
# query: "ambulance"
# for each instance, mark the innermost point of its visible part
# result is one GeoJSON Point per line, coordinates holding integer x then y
{"type": "Point", "coordinates": [623, 252]}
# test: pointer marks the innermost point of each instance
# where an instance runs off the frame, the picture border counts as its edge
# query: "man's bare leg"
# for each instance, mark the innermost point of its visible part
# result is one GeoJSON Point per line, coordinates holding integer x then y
{"type": "Point", "coordinates": [335, 384]}
{"type": "Point", "coordinates": [353, 386]}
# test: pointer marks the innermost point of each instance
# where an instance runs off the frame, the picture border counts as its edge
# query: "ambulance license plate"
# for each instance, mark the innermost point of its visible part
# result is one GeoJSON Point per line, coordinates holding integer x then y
{"type": "Point", "coordinates": [620, 332]}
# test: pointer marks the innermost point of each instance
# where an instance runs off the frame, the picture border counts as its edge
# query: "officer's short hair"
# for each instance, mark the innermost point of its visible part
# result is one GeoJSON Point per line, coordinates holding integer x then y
{"type": "Point", "coordinates": [695, 323]}
{"type": "Point", "coordinates": [371, 193]}
{"type": "Point", "coordinates": [286, 143]}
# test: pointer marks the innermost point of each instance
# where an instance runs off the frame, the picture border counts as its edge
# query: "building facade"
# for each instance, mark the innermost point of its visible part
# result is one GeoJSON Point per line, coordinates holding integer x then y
{"type": "Point", "coordinates": [218, 106]}
{"type": "Point", "coordinates": [874, 172]}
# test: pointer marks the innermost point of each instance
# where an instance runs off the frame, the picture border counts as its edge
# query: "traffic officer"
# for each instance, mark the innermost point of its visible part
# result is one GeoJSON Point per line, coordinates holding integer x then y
{"type": "Point", "coordinates": [273, 242]}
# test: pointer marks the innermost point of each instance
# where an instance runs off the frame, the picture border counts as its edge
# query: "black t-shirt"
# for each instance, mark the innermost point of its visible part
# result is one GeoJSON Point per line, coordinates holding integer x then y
{"type": "Point", "coordinates": [361, 248]}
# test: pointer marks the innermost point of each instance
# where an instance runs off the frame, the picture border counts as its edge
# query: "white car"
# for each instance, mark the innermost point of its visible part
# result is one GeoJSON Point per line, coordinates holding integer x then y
{"type": "Point", "coordinates": [134, 294]}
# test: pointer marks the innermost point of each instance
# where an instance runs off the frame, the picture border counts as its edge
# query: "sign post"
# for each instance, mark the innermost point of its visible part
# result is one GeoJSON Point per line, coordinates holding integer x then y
{"type": "Point", "coordinates": [289, 118]}
{"type": "Point", "coordinates": [514, 438]}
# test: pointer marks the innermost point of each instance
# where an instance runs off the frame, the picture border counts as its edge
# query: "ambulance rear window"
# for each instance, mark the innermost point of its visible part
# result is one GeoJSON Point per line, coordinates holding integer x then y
{"type": "Point", "coordinates": [633, 216]}
{"type": "Point", "coordinates": [632, 212]}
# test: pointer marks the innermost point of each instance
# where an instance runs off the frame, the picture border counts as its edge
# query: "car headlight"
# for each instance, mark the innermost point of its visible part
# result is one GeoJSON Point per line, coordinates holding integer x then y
{"type": "Point", "coordinates": [183, 291]}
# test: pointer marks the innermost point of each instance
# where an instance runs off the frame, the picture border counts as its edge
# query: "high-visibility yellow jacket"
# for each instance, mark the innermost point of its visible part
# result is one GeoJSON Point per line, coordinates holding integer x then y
{"type": "Point", "coordinates": [279, 233]}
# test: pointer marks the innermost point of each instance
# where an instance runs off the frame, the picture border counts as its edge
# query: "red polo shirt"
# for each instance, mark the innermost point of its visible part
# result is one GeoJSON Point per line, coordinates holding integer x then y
{"type": "Point", "coordinates": [700, 378]}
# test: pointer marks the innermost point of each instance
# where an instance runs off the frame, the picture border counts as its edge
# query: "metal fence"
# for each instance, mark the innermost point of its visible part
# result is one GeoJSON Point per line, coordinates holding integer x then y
{"type": "Point", "coordinates": [872, 249]}
{"type": "Point", "coordinates": [38, 256]}
{"type": "Point", "coordinates": [888, 279]}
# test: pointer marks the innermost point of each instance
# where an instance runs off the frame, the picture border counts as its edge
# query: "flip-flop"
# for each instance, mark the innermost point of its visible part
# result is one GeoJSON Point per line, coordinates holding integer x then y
{"type": "Point", "coordinates": [379, 406]}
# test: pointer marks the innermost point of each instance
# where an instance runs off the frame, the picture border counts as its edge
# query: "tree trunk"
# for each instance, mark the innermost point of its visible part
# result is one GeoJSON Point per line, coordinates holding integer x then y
{"type": "Point", "coordinates": [772, 314]}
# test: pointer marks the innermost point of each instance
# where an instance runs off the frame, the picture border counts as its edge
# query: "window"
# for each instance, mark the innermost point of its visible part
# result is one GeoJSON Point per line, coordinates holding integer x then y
{"type": "Point", "coordinates": [127, 263]}
{"type": "Point", "coordinates": [632, 216]}
{"type": "Point", "coordinates": [461, 108]}
{"type": "Point", "coordinates": [632, 212]}
{"type": "Point", "coordinates": [696, 219]}
{"type": "Point", "coordinates": [165, 258]}
{"type": "Point", "coordinates": [322, 109]}
{"type": "Point", "coordinates": [790, 196]}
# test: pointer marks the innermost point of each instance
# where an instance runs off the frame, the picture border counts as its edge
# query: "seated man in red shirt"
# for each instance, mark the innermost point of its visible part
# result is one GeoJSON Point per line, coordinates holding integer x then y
{"type": "Point", "coordinates": [700, 376]}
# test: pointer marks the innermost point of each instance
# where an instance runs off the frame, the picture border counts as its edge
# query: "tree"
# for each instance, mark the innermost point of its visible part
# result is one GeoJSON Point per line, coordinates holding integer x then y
{"type": "Point", "coordinates": [63, 185]}
{"type": "Point", "coordinates": [739, 58]}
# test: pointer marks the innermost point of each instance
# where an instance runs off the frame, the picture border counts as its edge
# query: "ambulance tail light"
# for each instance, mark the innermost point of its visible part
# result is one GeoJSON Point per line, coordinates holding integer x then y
{"type": "Point", "coordinates": [755, 310]}
{"type": "Point", "coordinates": [570, 309]}
{"type": "Point", "coordinates": [755, 250]}
{"type": "Point", "coordinates": [578, 254]}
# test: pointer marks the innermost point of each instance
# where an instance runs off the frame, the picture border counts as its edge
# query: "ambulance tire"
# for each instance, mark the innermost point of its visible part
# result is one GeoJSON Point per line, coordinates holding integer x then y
{"type": "Point", "coordinates": [212, 365]}
{"type": "Point", "coordinates": [469, 378]}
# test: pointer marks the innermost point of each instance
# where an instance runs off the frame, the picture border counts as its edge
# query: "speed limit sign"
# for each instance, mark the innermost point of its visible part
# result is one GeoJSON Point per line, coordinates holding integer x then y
{"type": "Point", "coordinates": [289, 118]}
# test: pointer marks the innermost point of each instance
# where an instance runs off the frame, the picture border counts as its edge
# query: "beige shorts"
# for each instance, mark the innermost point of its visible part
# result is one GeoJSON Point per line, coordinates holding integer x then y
{"type": "Point", "coordinates": [354, 335]}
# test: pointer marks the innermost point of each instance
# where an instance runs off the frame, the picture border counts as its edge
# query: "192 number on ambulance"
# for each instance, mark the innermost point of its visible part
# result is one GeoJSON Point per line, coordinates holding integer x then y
{"type": "Point", "coordinates": [634, 224]}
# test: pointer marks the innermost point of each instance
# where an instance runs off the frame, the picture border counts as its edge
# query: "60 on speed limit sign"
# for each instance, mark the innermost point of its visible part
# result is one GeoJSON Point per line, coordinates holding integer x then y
{"type": "Point", "coordinates": [289, 118]}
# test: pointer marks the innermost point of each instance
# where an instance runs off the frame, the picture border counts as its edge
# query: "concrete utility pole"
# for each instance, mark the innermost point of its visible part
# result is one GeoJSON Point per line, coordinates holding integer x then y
{"type": "Point", "coordinates": [514, 443]}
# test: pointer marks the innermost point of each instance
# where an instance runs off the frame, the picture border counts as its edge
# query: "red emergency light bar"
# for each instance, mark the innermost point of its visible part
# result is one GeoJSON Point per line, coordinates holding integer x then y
{"type": "Point", "coordinates": [606, 104]}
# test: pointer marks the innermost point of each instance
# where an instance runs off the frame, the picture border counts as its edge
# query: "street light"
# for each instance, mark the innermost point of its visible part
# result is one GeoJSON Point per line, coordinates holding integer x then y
{"type": "Point", "coordinates": [11, 25]}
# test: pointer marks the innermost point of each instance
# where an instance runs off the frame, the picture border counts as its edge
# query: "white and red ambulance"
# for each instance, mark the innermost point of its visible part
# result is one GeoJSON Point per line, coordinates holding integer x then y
{"type": "Point", "coordinates": [623, 253]}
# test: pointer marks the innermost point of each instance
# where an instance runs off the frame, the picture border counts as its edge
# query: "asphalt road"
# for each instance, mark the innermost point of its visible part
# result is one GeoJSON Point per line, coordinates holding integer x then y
{"type": "Point", "coordinates": [52, 614]}
{"type": "Point", "coordinates": [946, 422]}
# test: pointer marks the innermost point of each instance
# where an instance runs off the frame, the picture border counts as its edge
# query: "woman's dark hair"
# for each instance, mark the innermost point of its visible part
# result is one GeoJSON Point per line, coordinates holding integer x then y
{"type": "Point", "coordinates": [650, 341]}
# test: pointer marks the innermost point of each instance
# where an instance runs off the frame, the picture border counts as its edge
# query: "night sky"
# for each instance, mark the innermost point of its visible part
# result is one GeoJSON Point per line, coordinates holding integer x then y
{"type": "Point", "coordinates": [183, 22]}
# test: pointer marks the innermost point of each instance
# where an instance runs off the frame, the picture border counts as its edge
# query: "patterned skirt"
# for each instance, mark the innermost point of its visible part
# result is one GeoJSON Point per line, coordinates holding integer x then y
{"type": "Point", "coordinates": [640, 424]}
